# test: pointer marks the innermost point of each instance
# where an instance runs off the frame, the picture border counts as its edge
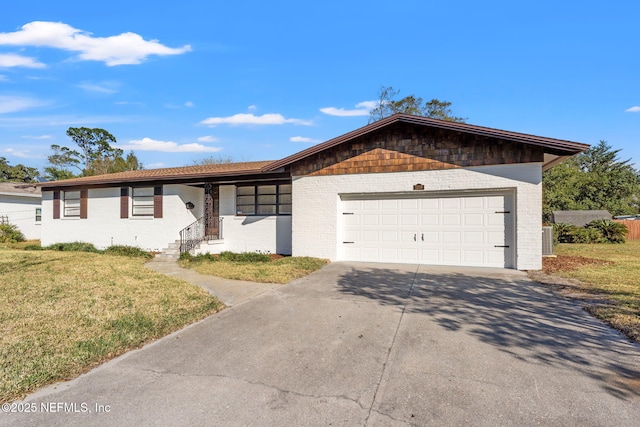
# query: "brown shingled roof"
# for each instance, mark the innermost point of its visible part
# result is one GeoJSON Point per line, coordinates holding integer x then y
{"type": "Point", "coordinates": [165, 174]}
{"type": "Point", "coordinates": [555, 146]}
{"type": "Point", "coordinates": [19, 188]}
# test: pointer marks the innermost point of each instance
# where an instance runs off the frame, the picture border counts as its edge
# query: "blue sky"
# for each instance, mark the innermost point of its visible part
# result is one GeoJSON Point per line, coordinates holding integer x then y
{"type": "Point", "coordinates": [255, 80]}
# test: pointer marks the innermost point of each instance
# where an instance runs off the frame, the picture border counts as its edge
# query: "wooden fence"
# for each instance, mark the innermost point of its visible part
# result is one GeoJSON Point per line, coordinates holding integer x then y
{"type": "Point", "coordinates": [634, 228]}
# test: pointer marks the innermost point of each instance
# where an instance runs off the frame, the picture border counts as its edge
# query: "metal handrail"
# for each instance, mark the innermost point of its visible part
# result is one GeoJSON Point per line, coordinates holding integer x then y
{"type": "Point", "coordinates": [196, 232]}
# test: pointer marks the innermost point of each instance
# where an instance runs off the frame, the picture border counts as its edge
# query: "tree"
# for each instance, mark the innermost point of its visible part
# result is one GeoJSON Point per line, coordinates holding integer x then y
{"type": "Point", "coordinates": [595, 179]}
{"type": "Point", "coordinates": [61, 161]}
{"type": "Point", "coordinates": [95, 145]}
{"type": "Point", "coordinates": [95, 157]}
{"type": "Point", "coordinates": [17, 173]}
{"type": "Point", "coordinates": [411, 104]}
{"type": "Point", "coordinates": [213, 160]}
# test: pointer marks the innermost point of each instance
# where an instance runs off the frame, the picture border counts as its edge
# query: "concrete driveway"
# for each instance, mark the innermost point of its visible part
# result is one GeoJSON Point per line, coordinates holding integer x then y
{"type": "Point", "coordinates": [363, 344]}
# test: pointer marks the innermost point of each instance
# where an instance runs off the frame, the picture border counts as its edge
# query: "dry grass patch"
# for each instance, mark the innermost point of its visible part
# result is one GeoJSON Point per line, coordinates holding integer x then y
{"type": "Point", "coordinates": [605, 276]}
{"type": "Point", "coordinates": [267, 269]}
{"type": "Point", "coordinates": [62, 313]}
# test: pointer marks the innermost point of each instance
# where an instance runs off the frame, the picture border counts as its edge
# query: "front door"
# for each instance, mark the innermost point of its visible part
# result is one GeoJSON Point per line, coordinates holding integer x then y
{"type": "Point", "coordinates": [211, 211]}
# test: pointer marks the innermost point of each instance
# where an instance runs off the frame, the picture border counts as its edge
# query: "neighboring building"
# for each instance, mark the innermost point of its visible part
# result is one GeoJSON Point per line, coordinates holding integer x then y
{"type": "Point", "coordinates": [403, 189]}
{"type": "Point", "coordinates": [21, 205]}
{"type": "Point", "coordinates": [579, 218]}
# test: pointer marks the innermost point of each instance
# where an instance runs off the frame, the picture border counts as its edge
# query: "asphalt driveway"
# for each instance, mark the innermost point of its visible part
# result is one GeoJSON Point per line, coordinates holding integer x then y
{"type": "Point", "coordinates": [363, 344]}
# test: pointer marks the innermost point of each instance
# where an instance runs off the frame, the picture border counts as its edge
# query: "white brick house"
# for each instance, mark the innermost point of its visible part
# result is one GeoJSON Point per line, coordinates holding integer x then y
{"type": "Point", "coordinates": [20, 205]}
{"type": "Point", "coordinates": [403, 189]}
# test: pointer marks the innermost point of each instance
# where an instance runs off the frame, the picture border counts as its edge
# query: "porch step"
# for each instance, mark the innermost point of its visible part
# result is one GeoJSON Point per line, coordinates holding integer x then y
{"type": "Point", "coordinates": [170, 253]}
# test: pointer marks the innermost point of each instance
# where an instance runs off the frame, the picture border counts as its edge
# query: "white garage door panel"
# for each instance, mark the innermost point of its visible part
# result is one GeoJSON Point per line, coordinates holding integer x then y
{"type": "Point", "coordinates": [473, 230]}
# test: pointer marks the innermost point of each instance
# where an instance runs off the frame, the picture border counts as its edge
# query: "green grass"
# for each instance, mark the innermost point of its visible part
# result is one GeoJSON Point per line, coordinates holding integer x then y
{"type": "Point", "coordinates": [62, 313]}
{"type": "Point", "coordinates": [612, 290]}
{"type": "Point", "coordinates": [253, 267]}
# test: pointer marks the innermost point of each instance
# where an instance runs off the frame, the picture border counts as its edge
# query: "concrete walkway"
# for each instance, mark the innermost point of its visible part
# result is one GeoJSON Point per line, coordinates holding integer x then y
{"type": "Point", "coordinates": [230, 292]}
{"type": "Point", "coordinates": [364, 345]}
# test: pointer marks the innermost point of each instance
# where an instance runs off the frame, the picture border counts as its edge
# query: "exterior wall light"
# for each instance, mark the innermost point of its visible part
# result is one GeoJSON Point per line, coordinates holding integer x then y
{"type": "Point", "coordinates": [189, 205]}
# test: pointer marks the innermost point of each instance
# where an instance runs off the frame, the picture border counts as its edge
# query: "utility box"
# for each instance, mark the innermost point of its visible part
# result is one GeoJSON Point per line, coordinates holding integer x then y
{"type": "Point", "coordinates": [547, 241]}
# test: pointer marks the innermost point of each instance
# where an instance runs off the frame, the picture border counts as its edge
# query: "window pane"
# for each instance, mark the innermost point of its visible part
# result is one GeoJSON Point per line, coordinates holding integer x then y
{"type": "Point", "coordinates": [142, 201]}
{"type": "Point", "coordinates": [243, 191]}
{"type": "Point", "coordinates": [267, 209]}
{"type": "Point", "coordinates": [143, 210]}
{"type": "Point", "coordinates": [285, 199]}
{"type": "Point", "coordinates": [284, 209]}
{"type": "Point", "coordinates": [267, 200]}
{"type": "Point", "coordinates": [71, 195]}
{"type": "Point", "coordinates": [144, 191]}
{"type": "Point", "coordinates": [245, 200]}
{"type": "Point", "coordinates": [285, 188]}
{"type": "Point", "coordinates": [267, 189]}
{"type": "Point", "coordinates": [245, 209]}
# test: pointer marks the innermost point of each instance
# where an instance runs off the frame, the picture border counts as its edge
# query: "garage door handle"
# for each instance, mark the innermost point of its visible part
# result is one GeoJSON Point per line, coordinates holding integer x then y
{"type": "Point", "coordinates": [423, 237]}
{"type": "Point", "coordinates": [348, 242]}
{"type": "Point", "coordinates": [414, 237]}
{"type": "Point", "coordinates": [500, 246]}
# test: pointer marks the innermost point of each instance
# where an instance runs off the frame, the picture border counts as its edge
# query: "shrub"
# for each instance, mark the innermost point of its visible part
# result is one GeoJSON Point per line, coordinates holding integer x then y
{"type": "Point", "coordinates": [562, 232]}
{"type": "Point", "coordinates": [245, 257]}
{"type": "Point", "coordinates": [612, 232]}
{"type": "Point", "coordinates": [72, 247]}
{"type": "Point", "coordinates": [129, 251]}
{"type": "Point", "coordinates": [9, 233]}
{"type": "Point", "coordinates": [33, 248]}
{"type": "Point", "coordinates": [586, 235]}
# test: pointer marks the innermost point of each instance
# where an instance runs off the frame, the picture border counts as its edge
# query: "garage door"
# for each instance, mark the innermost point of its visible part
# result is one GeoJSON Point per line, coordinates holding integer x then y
{"type": "Point", "coordinates": [465, 230]}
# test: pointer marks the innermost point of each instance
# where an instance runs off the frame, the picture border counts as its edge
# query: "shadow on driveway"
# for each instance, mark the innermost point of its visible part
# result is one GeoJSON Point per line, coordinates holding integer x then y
{"type": "Point", "coordinates": [509, 312]}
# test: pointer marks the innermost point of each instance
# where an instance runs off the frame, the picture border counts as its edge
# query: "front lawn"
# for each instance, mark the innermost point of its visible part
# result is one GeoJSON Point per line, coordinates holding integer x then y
{"type": "Point", "coordinates": [253, 267]}
{"type": "Point", "coordinates": [62, 313]}
{"type": "Point", "coordinates": [605, 276]}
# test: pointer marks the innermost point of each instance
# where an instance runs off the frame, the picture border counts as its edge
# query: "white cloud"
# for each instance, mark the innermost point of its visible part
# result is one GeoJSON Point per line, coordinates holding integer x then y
{"type": "Point", "coordinates": [3, 78]}
{"type": "Point", "coordinates": [39, 137]}
{"type": "Point", "coordinates": [208, 138]}
{"type": "Point", "coordinates": [125, 48]}
{"type": "Point", "coordinates": [250, 119]}
{"type": "Point", "coordinates": [303, 139]}
{"type": "Point", "coordinates": [8, 60]}
{"type": "Point", "coordinates": [61, 120]}
{"type": "Point", "coordinates": [11, 104]}
{"type": "Point", "coordinates": [252, 107]}
{"type": "Point", "coordinates": [362, 109]}
{"type": "Point", "coordinates": [148, 144]}
{"type": "Point", "coordinates": [189, 104]}
{"type": "Point", "coordinates": [108, 88]}
{"type": "Point", "coordinates": [18, 153]}
{"type": "Point", "coordinates": [635, 109]}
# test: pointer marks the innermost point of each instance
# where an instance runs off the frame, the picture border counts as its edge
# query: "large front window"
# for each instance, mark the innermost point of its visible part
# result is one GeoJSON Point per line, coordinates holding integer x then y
{"type": "Point", "coordinates": [267, 199]}
{"type": "Point", "coordinates": [142, 201]}
{"type": "Point", "coordinates": [72, 203]}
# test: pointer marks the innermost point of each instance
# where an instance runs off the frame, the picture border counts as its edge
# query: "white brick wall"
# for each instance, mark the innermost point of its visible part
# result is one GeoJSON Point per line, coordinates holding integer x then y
{"type": "Point", "coordinates": [103, 226]}
{"type": "Point", "coordinates": [21, 211]}
{"type": "Point", "coordinates": [316, 203]}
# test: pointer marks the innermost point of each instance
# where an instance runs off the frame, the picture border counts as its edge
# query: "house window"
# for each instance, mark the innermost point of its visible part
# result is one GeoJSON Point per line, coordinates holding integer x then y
{"type": "Point", "coordinates": [142, 201]}
{"type": "Point", "coordinates": [270, 199]}
{"type": "Point", "coordinates": [72, 203]}
{"type": "Point", "coordinates": [38, 214]}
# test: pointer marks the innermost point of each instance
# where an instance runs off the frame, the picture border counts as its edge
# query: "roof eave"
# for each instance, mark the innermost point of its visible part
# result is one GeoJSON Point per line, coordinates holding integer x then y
{"type": "Point", "coordinates": [124, 180]}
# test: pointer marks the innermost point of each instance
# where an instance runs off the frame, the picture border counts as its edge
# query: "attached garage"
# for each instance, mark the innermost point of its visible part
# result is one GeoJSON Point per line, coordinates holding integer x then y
{"type": "Point", "coordinates": [409, 189]}
{"type": "Point", "coordinates": [445, 229]}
